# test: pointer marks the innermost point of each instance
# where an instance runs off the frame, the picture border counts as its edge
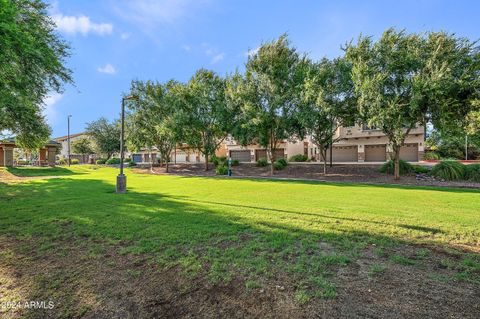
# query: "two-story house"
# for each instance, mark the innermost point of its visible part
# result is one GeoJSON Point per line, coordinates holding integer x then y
{"type": "Point", "coordinates": [357, 143]}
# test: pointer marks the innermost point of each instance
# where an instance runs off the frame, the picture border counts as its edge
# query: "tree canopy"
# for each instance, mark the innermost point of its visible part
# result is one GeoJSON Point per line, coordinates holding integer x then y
{"type": "Point", "coordinates": [328, 102]}
{"type": "Point", "coordinates": [32, 65]}
{"type": "Point", "coordinates": [82, 146]}
{"type": "Point", "coordinates": [105, 136]}
{"type": "Point", "coordinates": [403, 80]}
{"type": "Point", "coordinates": [205, 117]}
{"type": "Point", "coordinates": [153, 119]}
{"type": "Point", "coordinates": [268, 96]}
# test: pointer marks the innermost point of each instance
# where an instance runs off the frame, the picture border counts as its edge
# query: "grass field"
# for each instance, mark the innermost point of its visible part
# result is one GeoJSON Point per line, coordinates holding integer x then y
{"type": "Point", "coordinates": [251, 233]}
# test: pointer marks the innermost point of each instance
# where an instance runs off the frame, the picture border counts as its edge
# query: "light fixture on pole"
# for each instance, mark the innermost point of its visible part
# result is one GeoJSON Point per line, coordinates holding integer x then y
{"type": "Point", "coordinates": [68, 137]}
{"type": "Point", "coordinates": [121, 178]}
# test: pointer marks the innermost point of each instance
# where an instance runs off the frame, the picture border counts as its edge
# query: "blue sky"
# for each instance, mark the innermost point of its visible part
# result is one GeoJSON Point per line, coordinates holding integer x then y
{"type": "Point", "coordinates": [115, 41]}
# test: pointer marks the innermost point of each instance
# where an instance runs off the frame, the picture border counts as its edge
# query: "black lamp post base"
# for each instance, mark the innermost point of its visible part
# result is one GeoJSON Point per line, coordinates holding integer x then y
{"type": "Point", "coordinates": [121, 184]}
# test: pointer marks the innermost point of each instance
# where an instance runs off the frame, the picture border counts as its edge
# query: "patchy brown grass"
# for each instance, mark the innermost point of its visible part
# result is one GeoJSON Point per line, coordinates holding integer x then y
{"type": "Point", "coordinates": [94, 280]}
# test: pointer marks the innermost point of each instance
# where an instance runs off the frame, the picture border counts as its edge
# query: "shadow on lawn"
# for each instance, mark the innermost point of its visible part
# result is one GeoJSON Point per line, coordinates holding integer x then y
{"type": "Point", "coordinates": [71, 216]}
{"type": "Point", "coordinates": [413, 227]}
{"type": "Point", "coordinates": [345, 184]}
{"type": "Point", "coordinates": [41, 171]}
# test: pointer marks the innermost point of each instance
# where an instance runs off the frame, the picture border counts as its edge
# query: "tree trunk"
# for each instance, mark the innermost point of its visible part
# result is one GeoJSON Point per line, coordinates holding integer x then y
{"type": "Point", "coordinates": [206, 162]}
{"type": "Point", "coordinates": [272, 162]}
{"type": "Point", "coordinates": [396, 174]}
{"type": "Point", "coordinates": [331, 154]}
{"type": "Point", "coordinates": [151, 161]}
{"type": "Point", "coordinates": [324, 155]}
{"type": "Point", "coordinates": [166, 166]}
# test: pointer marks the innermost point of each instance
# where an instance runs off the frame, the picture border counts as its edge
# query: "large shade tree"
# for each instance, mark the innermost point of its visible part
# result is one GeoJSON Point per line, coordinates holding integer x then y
{"type": "Point", "coordinates": [206, 118]}
{"type": "Point", "coordinates": [153, 119]}
{"type": "Point", "coordinates": [32, 65]}
{"type": "Point", "coordinates": [82, 146]}
{"type": "Point", "coordinates": [403, 80]}
{"type": "Point", "coordinates": [105, 136]}
{"type": "Point", "coordinates": [328, 103]}
{"type": "Point", "coordinates": [268, 96]}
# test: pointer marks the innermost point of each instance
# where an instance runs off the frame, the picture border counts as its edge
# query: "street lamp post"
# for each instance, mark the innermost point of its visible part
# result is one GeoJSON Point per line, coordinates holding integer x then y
{"type": "Point", "coordinates": [466, 147]}
{"type": "Point", "coordinates": [121, 178]}
{"type": "Point", "coordinates": [68, 137]}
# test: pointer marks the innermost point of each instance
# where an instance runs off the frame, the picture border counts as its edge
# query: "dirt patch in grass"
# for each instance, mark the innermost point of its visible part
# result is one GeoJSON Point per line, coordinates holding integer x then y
{"type": "Point", "coordinates": [92, 279]}
{"type": "Point", "coordinates": [338, 173]}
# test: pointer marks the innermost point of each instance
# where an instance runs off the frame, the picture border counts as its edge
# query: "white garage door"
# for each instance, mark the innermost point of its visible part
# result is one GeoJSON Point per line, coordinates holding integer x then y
{"type": "Point", "coordinates": [240, 155]}
{"type": "Point", "coordinates": [375, 153]}
{"type": "Point", "coordinates": [409, 152]}
{"type": "Point", "coordinates": [343, 154]}
{"type": "Point", "coordinates": [181, 157]}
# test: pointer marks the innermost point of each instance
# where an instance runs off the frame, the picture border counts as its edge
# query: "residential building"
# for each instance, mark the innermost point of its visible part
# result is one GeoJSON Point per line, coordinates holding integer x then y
{"type": "Point", "coordinates": [182, 154]}
{"type": "Point", "coordinates": [353, 144]}
{"type": "Point", "coordinates": [63, 140]}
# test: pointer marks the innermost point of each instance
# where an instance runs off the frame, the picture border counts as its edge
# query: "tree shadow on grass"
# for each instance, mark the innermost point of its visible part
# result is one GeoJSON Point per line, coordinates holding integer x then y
{"type": "Point", "coordinates": [207, 239]}
{"type": "Point", "coordinates": [41, 171]}
{"type": "Point", "coordinates": [346, 184]}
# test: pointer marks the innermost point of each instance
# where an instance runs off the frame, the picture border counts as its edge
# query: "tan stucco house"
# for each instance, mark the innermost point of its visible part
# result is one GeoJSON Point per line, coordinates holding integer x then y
{"type": "Point", "coordinates": [353, 144]}
{"type": "Point", "coordinates": [63, 141]}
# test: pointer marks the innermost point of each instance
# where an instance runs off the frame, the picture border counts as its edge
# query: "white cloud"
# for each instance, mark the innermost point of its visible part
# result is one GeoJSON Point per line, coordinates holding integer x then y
{"type": "Point", "coordinates": [125, 35]}
{"type": "Point", "coordinates": [216, 55]}
{"type": "Point", "coordinates": [81, 24]}
{"type": "Point", "coordinates": [148, 15]}
{"type": "Point", "coordinates": [186, 48]}
{"type": "Point", "coordinates": [217, 58]}
{"type": "Point", "coordinates": [108, 68]}
{"type": "Point", "coordinates": [50, 102]}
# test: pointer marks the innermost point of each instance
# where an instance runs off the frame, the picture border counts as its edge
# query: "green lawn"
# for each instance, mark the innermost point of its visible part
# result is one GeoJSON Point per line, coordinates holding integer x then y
{"type": "Point", "coordinates": [224, 228]}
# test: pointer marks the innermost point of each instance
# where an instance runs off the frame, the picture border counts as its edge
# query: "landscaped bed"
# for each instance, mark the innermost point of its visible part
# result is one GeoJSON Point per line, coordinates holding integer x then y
{"type": "Point", "coordinates": [350, 173]}
{"type": "Point", "coordinates": [177, 246]}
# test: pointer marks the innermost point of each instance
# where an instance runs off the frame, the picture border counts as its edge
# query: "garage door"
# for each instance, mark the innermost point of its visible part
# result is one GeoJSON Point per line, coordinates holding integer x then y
{"type": "Point", "coordinates": [181, 157]}
{"type": "Point", "coordinates": [343, 154]}
{"type": "Point", "coordinates": [409, 152]}
{"type": "Point", "coordinates": [137, 158]}
{"type": "Point", "coordinates": [375, 153]}
{"type": "Point", "coordinates": [260, 154]}
{"type": "Point", "coordinates": [240, 155]}
{"type": "Point", "coordinates": [279, 153]}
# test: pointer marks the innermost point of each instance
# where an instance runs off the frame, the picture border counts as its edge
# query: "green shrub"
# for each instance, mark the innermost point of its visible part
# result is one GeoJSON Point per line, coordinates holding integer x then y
{"type": "Point", "coordinates": [214, 160]}
{"type": "Point", "coordinates": [431, 156]}
{"type": "Point", "coordinates": [420, 169]}
{"type": "Point", "coordinates": [221, 160]}
{"type": "Point", "coordinates": [298, 158]}
{"type": "Point", "coordinates": [131, 164]}
{"type": "Point", "coordinates": [472, 172]}
{"type": "Point", "coordinates": [449, 170]}
{"type": "Point", "coordinates": [235, 162]}
{"type": "Point", "coordinates": [23, 162]}
{"type": "Point", "coordinates": [74, 161]}
{"type": "Point", "coordinates": [101, 161]}
{"type": "Point", "coordinates": [389, 167]}
{"type": "Point", "coordinates": [282, 161]}
{"type": "Point", "coordinates": [62, 161]}
{"type": "Point", "coordinates": [113, 161]}
{"type": "Point", "coordinates": [221, 170]}
{"type": "Point", "coordinates": [262, 162]}
{"type": "Point", "coordinates": [280, 164]}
